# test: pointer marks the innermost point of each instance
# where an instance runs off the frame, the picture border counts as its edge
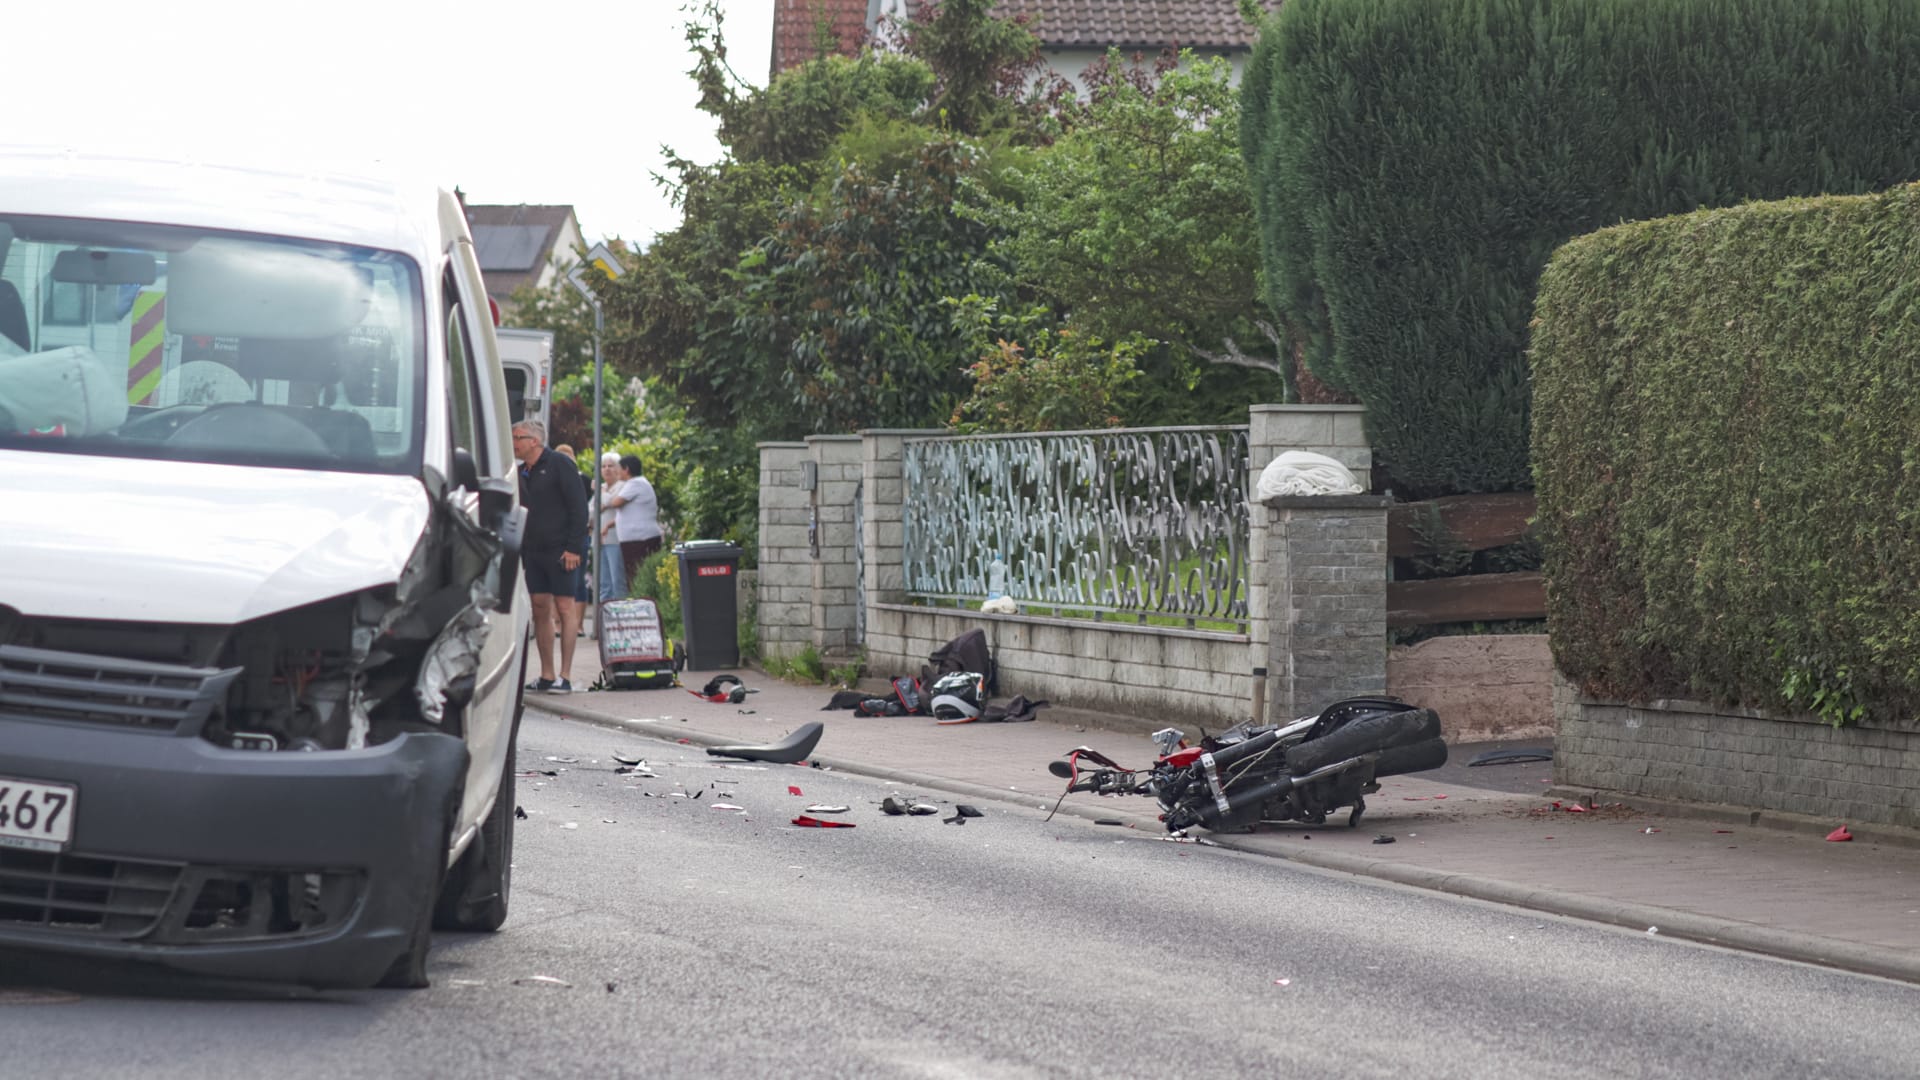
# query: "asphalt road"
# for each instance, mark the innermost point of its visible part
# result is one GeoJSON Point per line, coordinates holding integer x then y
{"type": "Point", "coordinates": [656, 934]}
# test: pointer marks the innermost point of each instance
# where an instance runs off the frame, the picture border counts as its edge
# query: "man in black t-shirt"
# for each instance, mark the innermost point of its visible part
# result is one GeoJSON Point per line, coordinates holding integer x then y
{"type": "Point", "coordinates": [550, 549]}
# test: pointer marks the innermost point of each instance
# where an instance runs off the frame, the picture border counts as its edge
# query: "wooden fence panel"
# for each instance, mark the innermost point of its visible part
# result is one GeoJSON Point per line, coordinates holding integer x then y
{"type": "Point", "coordinates": [1472, 598]}
{"type": "Point", "coordinates": [1479, 522]}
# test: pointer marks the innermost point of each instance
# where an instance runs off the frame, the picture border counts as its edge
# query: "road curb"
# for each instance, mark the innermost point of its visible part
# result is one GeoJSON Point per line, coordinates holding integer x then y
{"type": "Point", "coordinates": [1667, 922]}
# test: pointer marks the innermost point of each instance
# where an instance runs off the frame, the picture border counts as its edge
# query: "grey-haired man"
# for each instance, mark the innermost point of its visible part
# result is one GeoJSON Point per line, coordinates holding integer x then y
{"type": "Point", "coordinates": [551, 549]}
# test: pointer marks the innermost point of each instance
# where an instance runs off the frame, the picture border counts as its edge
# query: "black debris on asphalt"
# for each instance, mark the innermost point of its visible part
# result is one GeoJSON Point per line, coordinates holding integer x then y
{"type": "Point", "coordinates": [1511, 757]}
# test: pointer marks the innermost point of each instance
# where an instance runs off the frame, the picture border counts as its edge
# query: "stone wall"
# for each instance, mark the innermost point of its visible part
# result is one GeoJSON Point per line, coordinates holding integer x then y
{"type": "Point", "coordinates": [1484, 686]}
{"type": "Point", "coordinates": [1184, 676]}
{"type": "Point", "coordinates": [1693, 752]}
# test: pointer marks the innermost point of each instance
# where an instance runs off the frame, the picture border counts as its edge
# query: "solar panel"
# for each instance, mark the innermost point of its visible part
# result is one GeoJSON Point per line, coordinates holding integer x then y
{"type": "Point", "coordinates": [509, 247]}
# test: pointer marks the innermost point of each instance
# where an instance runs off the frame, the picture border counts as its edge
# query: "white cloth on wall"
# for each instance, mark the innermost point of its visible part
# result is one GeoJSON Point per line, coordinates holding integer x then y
{"type": "Point", "coordinates": [1303, 472]}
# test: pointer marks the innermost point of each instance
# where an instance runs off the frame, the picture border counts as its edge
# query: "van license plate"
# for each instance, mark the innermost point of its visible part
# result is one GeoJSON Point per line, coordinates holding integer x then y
{"type": "Point", "coordinates": [35, 815]}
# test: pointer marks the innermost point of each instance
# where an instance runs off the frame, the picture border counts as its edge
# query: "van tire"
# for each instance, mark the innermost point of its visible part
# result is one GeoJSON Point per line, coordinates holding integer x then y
{"type": "Point", "coordinates": [479, 887]}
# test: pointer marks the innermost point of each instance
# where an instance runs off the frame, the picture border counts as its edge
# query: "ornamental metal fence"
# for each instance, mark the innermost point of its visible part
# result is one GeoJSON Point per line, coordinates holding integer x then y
{"type": "Point", "coordinates": [1146, 524]}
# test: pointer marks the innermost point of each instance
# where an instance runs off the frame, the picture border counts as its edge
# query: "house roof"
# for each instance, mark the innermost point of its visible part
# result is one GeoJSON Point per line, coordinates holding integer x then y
{"type": "Point", "coordinates": [1134, 24]}
{"type": "Point", "coordinates": [794, 22]}
{"type": "Point", "coordinates": [1059, 24]}
{"type": "Point", "coordinates": [513, 243]}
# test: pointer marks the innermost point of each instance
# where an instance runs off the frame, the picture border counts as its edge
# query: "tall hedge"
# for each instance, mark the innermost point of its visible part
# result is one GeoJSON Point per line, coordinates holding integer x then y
{"type": "Point", "coordinates": [1415, 162]}
{"type": "Point", "coordinates": [1726, 436]}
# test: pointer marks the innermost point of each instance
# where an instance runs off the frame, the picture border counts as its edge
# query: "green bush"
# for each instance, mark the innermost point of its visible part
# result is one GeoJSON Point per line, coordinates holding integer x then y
{"type": "Point", "coordinates": [1725, 412]}
{"type": "Point", "coordinates": [659, 580]}
{"type": "Point", "coordinates": [1415, 162]}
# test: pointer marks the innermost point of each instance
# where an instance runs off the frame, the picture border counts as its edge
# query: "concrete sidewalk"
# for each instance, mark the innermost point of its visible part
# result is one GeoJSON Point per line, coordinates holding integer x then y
{"type": "Point", "coordinates": [1778, 888]}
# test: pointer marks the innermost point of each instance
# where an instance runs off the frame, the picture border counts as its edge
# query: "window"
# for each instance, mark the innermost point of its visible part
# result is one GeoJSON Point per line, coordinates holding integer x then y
{"type": "Point", "coordinates": [230, 348]}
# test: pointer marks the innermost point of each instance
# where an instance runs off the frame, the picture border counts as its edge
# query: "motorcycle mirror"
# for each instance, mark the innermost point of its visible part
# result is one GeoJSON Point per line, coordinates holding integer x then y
{"type": "Point", "coordinates": [1060, 769]}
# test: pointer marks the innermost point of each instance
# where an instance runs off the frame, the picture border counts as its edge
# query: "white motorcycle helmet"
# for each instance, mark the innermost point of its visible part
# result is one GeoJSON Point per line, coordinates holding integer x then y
{"type": "Point", "coordinates": [958, 695]}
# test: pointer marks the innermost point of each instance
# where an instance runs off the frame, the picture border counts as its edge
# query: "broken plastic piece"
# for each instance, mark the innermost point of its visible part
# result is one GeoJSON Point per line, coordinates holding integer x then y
{"type": "Point", "coordinates": [1108, 821]}
{"type": "Point", "coordinates": [520, 812]}
{"type": "Point", "coordinates": [793, 748]}
{"type": "Point", "coordinates": [921, 809]}
{"type": "Point", "coordinates": [1383, 838]}
{"type": "Point", "coordinates": [817, 823]}
{"type": "Point", "coordinates": [792, 790]}
{"type": "Point", "coordinates": [892, 806]}
{"type": "Point", "coordinates": [965, 810]}
{"type": "Point", "coordinates": [624, 760]}
{"type": "Point", "coordinates": [543, 980]}
{"type": "Point", "coordinates": [725, 806]}
{"type": "Point", "coordinates": [1840, 835]}
{"type": "Point", "coordinates": [823, 808]}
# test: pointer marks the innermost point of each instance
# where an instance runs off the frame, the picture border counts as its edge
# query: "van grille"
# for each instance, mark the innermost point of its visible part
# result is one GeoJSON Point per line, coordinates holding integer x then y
{"type": "Point", "coordinates": [81, 893]}
{"type": "Point", "coordinates": [44, 684]}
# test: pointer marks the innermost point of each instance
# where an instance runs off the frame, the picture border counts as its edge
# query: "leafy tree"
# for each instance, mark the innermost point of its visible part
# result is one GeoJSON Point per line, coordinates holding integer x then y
{"type": "Point", "coordinates": [1137, 222]}
{"type": "Point", "coordinates": [989, 73]}
{"type": "Point", "coordinates": [559, 308]}
{"type": "Point", "coordinates": [1061, 379]}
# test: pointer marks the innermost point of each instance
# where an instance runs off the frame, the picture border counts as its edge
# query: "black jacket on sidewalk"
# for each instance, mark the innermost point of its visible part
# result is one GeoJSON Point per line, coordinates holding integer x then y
{"type": "Point", "coordinates": [556, 505]}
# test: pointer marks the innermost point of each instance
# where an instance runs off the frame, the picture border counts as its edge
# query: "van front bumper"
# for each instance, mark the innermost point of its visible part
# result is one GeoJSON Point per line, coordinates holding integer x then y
{"type": "Point", "coordinates": [238, 865]}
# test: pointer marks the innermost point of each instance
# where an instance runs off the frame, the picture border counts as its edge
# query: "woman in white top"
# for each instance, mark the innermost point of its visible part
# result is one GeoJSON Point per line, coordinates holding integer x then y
{"type": "Point", "coordinates": [636, 520]}
{"type": "Point", "coordinates": [611, 576]}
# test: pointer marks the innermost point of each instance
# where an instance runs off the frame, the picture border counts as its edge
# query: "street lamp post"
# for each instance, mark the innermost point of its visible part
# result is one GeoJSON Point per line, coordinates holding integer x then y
{"type": "Point", "coordinates": [602, 257]}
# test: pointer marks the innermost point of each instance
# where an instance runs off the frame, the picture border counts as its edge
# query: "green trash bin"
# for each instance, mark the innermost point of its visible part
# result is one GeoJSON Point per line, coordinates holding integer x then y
{"type": "Point", "coordinates": [709, 611]}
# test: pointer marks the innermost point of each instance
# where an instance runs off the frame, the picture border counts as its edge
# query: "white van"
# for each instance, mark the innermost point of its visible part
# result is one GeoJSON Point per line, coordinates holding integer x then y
{"type": "Point", "coordinates": [262, 634]}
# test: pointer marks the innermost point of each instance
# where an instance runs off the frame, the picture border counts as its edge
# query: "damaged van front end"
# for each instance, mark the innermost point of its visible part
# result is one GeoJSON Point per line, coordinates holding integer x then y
{"type": "Point", "coordinates": [260, 650]}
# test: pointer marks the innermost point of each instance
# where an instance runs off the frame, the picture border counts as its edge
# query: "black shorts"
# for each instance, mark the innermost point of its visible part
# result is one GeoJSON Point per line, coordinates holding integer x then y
{"type": "Point", "coordinates": [545, 575]}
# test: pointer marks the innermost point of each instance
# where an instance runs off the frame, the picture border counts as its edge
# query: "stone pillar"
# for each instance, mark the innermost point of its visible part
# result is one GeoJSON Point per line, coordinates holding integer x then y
{"type": "Point", "coordinates": [785, 579]}
{"type": "Point", "coordinates": [837, 460]}
{"type": "Point", "coordinates": [1326, 600]}
{"type": "Point", "coordinates": [1338, 431]}
{"type": "Point", "coordinates": [883, 526]}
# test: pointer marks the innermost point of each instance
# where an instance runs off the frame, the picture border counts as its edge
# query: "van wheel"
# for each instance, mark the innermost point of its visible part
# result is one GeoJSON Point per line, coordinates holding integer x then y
{"type": "Point", "coordinates": [479, 885]}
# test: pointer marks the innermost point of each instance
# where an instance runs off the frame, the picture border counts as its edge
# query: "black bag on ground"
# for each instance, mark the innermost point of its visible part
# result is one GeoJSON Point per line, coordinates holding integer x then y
{"type": "Point", "coordinates": [968, 652]}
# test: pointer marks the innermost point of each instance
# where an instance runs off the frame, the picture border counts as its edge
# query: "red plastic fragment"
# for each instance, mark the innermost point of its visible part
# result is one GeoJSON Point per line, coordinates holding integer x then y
{"type": "Point", "coordinates": [1840, 835]}
{"type": "Point", "coordinates": [817, 823]}
{"type": "Point", "coordinates": [791, 790]}
{"type": "Point", "coordinates": [1180, 759]}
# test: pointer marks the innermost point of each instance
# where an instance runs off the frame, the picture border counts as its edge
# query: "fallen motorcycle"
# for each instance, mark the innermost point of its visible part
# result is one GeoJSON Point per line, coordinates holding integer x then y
{"type": "Point", "coordinates": [1302, 771]}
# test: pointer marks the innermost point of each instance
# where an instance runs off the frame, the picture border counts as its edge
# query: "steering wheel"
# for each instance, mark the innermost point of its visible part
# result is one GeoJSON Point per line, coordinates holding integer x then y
{"type": "Point", "coordinates": [248, 425]}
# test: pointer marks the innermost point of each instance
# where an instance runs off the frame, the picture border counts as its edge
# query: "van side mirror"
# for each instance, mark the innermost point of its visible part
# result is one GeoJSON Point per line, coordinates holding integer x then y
{"type": "Point", "coordinates": [465, 473]}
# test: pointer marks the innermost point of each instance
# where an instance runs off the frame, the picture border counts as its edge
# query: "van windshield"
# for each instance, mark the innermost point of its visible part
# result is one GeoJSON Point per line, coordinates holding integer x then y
{"type": "Point", "coordinates": [136, 340]}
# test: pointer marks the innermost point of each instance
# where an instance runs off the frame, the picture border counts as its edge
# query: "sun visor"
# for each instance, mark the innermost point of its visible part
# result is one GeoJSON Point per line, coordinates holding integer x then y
{"type": "Point", "coordinates": [247, 289]}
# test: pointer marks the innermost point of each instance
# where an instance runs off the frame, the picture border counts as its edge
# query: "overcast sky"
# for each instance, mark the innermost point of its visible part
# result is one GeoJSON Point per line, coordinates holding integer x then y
{"type": "Point", "coordinates": [540, 101]}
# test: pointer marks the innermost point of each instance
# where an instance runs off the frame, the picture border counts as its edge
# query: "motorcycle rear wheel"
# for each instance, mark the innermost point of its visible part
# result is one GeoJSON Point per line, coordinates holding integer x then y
{"type": "Point", "coordinates": [1381, 731]}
